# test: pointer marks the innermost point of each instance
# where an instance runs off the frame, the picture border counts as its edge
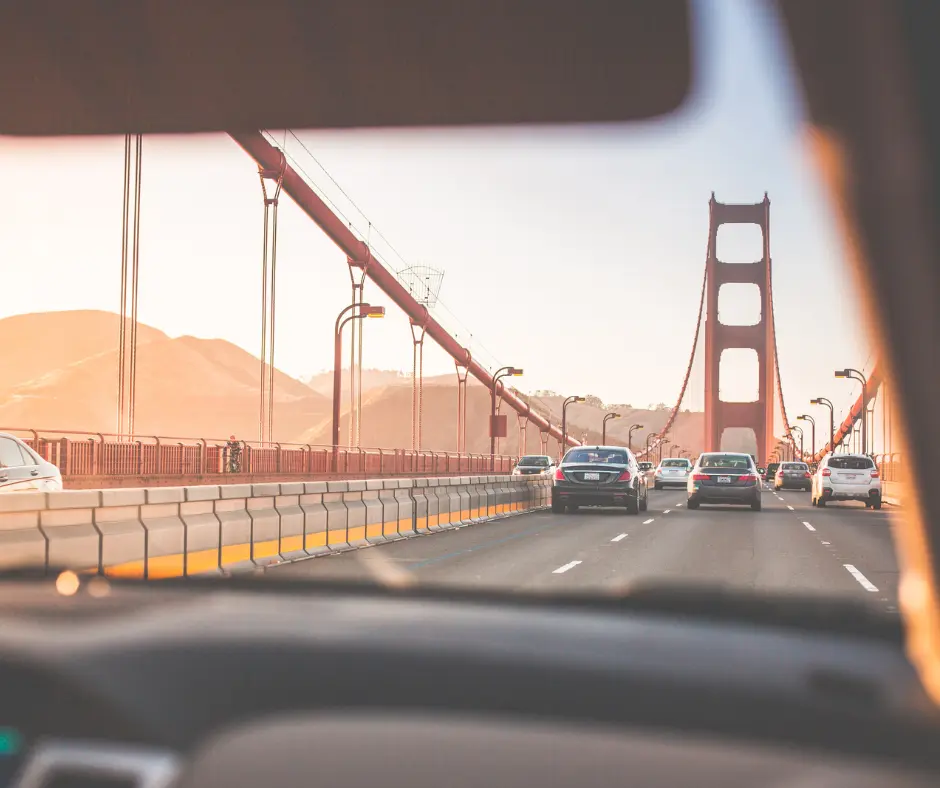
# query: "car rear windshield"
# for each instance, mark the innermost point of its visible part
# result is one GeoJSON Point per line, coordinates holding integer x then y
{"type": "Point", "coordinates": [675, 463]}
{"type": "Point", "coordinates": [589, 455]}
{"type": "Point", "coordinates": [851, 463]}
{"type": "Point", "coordinates": [541, 462]}
{"type": "Point", "coordinates": [795, 466]}
{"type": "Point", "coordinates": [737, 461]}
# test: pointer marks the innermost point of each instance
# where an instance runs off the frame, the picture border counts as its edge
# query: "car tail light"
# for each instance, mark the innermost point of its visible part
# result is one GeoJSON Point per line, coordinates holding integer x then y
{"type": "Point", "coordinates": [624, 477]}
{"type": "Point", "coordinates": [748, 477]}
{"type": "Point", "coordinates": [559, 475]}
{"type": "Point", "coordinates": [826, 472]}
{"type": "Point", "coordinates": [780, 474]}
{"type": "Point", "coordinates": [700, 477]}
{"type": "Point", "coordinates": [875, 474]}
{"type": "Point", "coordinates": [808, 475]}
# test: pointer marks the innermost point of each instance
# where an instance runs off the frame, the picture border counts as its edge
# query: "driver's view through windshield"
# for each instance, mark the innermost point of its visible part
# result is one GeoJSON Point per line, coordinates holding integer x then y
{"type": "Point", "coordinates": [310, 342]}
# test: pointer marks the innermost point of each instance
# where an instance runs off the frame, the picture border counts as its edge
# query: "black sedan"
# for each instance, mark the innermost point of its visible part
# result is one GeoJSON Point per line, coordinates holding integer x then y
{"type": "Point", "coordinates": [723, 477]}
{"type": "Point", "coordinates": [599, 476]}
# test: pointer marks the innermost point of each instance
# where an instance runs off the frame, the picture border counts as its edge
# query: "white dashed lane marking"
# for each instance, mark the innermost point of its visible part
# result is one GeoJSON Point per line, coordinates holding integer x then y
{"type": "Point", "coordinates": [618, 538]}
{"type": "Point", "coordinates": [809, 526]}
{"type": "Point", "coordinates": [562, 569]}
{"type": "Point", "coordinates": [863, 581]}
{"type": "Point", "coordinates": [647, 522]}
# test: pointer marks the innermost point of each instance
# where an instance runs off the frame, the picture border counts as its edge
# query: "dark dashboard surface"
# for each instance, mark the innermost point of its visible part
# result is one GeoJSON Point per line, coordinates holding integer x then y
{"type": "Point", "coordinates": [172, 665]}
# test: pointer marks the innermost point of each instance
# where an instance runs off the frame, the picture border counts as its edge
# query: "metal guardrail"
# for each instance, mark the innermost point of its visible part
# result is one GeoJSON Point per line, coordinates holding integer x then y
{"type": "Point", "coordinates": [91, 454]}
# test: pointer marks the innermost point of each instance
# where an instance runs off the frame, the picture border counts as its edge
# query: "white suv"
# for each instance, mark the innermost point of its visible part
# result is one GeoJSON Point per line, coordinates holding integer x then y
{"type": "Point", "coordinates": [672, 471]}
{"type": "Point", "coordinates": [847, 477]}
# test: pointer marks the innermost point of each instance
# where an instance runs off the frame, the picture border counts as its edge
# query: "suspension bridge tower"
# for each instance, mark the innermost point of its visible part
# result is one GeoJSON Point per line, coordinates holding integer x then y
{"type": "Point", "coordinates": [757, 415]}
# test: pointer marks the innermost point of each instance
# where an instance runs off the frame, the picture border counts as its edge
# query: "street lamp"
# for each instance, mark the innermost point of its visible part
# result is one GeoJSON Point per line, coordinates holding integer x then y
{"type": "Point", "coordinates": [648, 449]}
{"type": "Point", "coordinates": [851, 374]}
{"type": "Point", "coordinates": [799, 429]}
{"type": "Point", "coordinates": [500, 373]}
{"type": "Point", "coordinates": [832, 420]}
{"type": "Point", "coordinates": [364, 310]}
{"type": "Point", "coordinates": [607, 418]}
{"type": "Point", "coordinates": [630, 435]}
{"type": "Point", "coordinates": [673, 451]}
{"type": "Point", "coordinates": [812, 440]}
{"type": "Point", "coordinates": [564, 421]}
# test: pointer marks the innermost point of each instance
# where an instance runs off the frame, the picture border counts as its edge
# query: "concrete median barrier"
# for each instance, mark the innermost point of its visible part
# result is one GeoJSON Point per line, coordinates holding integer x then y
{"type": "Point", "coordinates": [165, 532]}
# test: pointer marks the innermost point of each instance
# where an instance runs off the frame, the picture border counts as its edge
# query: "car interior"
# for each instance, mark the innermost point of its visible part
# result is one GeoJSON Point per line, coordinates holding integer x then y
{"type": "Point", "coordinates": [245, 680]}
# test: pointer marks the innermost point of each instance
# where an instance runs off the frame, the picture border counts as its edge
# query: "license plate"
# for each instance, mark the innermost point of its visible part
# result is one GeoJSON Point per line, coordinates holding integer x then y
{"type": "Point", "coordinates": [592, 477]}
{"type": "Point", "coordinates": [850, 475]}
{"type": "Point", "coordinates": [724, 480]}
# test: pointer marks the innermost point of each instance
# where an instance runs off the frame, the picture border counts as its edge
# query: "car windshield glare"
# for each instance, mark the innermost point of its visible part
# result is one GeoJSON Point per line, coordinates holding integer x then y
{"type": "Point", "coordinates": [675, 463]}
{"type": "Point", "coordinates": [592, 456]}
{"type": "Point", "coordinates": [795, 466]}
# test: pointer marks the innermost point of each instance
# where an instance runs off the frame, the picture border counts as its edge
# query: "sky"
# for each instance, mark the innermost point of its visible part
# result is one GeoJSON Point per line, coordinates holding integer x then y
{"type": "Point", "coordinates": [576, 253]}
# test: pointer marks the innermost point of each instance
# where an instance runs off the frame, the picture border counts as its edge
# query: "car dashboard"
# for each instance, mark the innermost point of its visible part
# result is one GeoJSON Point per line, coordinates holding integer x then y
{"type": "Point", "coordinates": [219, 683]}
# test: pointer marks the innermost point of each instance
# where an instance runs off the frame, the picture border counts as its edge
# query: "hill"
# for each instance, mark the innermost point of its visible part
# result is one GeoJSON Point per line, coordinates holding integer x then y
{"type": "Point", "coordinates": [186, 387]}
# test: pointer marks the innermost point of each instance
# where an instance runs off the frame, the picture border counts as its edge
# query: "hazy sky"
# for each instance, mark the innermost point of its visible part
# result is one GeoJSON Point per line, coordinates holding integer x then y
{"type": "Point", "coordinates": [576, 253]}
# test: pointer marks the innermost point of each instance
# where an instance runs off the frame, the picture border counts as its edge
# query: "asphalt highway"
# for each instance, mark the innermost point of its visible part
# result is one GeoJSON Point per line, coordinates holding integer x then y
{"type": "Point", "coordinates": [842, 549]}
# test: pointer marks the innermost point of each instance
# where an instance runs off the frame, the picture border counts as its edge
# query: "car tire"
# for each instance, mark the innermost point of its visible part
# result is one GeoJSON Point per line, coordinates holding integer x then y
{"type": "Point", "coordinates": [645, 501]}
{"type": "Point", "coordinates": [876, 505]}
{"type": "Point", "coordinates": [756, 505]}
{"type": "Point", "coordinates": [812, 502]}
{"type": "Point", "coordinates": [657, 486]}
{"type": "Point", "coordinates": [821, 502]}
{"type": "Point", "coordinates": [572, 508]}
{"type": "Point", "coordinates": [692, 503]}
{"type": "Point", "coordinates": [557, 507]}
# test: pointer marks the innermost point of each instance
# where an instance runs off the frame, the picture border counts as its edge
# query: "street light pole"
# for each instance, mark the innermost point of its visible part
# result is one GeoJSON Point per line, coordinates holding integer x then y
{"type": "Point", "coordinates": [799, 429]}
{"type": "Point", "coordinates": [832, 420]}
{"type": "Point", "coordinates": [851, 374]}
{"type": "Point", "coordinates": [607, 418]}
{"type": "Point", "coordinates": [648, 449]}
{"type": "Point", "coordinates": [564, 421]}
{"type": "Point", "coordinates": [633, 427]}
{"type": "Point", "coordinates": [812, 440]}
{"type": "Point", "coordinates": [365, 310]}
{"type": "Point", "coordinates": [500, 373]}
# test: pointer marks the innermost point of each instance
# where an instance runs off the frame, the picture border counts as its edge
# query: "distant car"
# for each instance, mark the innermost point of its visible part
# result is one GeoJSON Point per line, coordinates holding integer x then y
{"type": "Point", "coordinates": [724, 477]}
{"type": "Point", "coordinates": [847, 477]}
{"type": "Point", "coordinates": [672, 472]}
{"type": "Point", "coordinates": [647, 468]}
{"type": "Point", "coordinates": [599, 476]}
{"type": "Point", "coordinates": [533, 464]}
{"type": "Point", "coordinates": [771, 471]}
{"type": "Point", "coordinates": [21, 469]}
{"type": "Point", "coordinates": [793, 476]}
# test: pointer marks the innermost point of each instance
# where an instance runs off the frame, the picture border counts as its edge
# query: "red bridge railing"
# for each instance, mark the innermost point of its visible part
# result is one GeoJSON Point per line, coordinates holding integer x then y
{"type": "Point", "coordinates": [87, 455]}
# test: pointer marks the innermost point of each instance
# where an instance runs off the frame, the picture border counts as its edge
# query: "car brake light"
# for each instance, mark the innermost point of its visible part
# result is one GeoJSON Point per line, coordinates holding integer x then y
{"type": "Point", "coordinates": [748, 477]}
{"type": "Point", "coordinates": [624, 477]}
{"type": "Point", "coordinates": [826, 472]}
{"type": "Point", "coordinates": [700, 477]}
{"type": "Point", "coordinates": [559, 475]}
{"type": "Point", "coordinates": [874, 474]}
{"type": "Point", "coordinates": [808, 475]}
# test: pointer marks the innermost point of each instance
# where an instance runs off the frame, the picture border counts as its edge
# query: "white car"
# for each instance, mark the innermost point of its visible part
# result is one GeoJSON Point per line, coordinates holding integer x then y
{"type": "Point", "coordinates": [847, 477]}
{"type": "Point", "coordinates": [22, 469]}
{"type": "Point", "coordinates": [534, 464]}
{"type": "Point", "coordinates": [673, 471]}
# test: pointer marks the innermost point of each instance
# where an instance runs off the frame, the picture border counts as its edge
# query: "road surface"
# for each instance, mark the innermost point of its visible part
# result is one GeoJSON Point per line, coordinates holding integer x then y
{"type": "Point", "coordinates": [842, 549]}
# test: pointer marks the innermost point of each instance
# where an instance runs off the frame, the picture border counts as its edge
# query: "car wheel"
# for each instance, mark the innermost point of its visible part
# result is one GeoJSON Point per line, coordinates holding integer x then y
{"type": "Point", "coordinates": [657, 486]}
{"type": "Point", "coordinates": [633, 504]}
{"type": "Point", "coordinates": [572, 508]}
{"type": "Point", "coordinates": [876, 505]}
{"type": "Point", "coordinates": [821, 502]}
{"type": "Point", "coordinates": [558, 507]}
{"type": "Point", "coordinates": [812, 502]}
{"type": "Point", "coordinates": [756, 505]}
{"type": "Point", "coordinates": [645, 501]}
{"type": "Point", "coordinates": [692, 503]}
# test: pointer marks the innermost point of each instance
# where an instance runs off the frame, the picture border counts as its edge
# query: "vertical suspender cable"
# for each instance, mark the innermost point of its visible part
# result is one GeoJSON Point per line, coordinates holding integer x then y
{"type": "Point", "coordinates": [122, 327]}
{"type": "Point", "coordinates": [132, 383]}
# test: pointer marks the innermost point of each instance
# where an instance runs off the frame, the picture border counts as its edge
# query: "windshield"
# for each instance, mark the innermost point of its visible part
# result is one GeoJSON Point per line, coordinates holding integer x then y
{"type": "Point", "coordinates": [851, 463]}
{"type": "Point", "coordinates": [734, 461]}
{"type": "Point", "coordinates": [594, 455]}
{"type": "Point", "coordinates": [216, 402]}
{"type": "Point", "coordinates": [538, 462]}
{"type": "Point", "coordinates": [675, 463]}
{"type": "Point", "coordinates": [795, 466]}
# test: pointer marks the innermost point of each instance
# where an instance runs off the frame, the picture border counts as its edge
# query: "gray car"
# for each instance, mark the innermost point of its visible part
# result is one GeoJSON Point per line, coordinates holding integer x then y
{"type": "Point", "coordinates": [724, 477]}
{"type": "Point", "coordinates": [599, 476]}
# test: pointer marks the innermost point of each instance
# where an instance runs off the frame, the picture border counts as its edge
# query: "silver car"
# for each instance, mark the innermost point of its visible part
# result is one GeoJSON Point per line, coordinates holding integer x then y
{"type": "Point", "coordinates": [21, 469]}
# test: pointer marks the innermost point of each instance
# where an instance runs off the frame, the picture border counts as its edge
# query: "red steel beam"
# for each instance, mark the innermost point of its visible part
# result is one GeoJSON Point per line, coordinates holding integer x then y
{"type": "Point", "coordinates": [268, 157]}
